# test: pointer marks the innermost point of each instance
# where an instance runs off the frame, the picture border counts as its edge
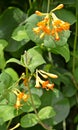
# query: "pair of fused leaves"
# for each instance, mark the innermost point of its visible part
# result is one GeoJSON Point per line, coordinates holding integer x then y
{"type": "Point", "coordinates": [23, 33]}
{"type": "Point", "coordinates": [57, 47]}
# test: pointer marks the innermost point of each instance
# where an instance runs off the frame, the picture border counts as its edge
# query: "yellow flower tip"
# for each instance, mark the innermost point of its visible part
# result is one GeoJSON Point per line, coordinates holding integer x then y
{"type": "Point", "coordinates": [37, 86]}
{"type": "Point", "coordinates": [50, 86]}
{"type": "Point", "coordinates": [38, 13]}
{"type": "Point", "coordinates": [57, 38]}
{"type": "Point", "coordinates": [66, 26]}
{"type": "Point", "coordinates": [36, 30]}
{"type": "Point", "coordinates": [60, 6]}
{"type": "Point", "coordinates": [54, 76]}
{"type": "Point", "coordinates": [42, 35]}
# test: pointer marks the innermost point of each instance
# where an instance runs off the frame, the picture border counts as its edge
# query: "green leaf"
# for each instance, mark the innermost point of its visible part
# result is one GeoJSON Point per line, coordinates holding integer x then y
{"type": "Point", "coordinates": [62, 108]}
{"type": "Point", "coordinates": [66, 1]}
{"type": "Point", "coordinates": [3, 127]}
{"type": "Point", "coordinates": [36, 58]}
{"type": "Point", "coordinates": [9, 20]}
{"type": "Point", "coordinates": [60, 105]}
{"type": "Point", "coordinates": [7, 113]}
{"type": "Point", "coordinates": [11, 98]}
{"type": "Point", "coordinates": [12, 73]}
{"type": "Point", "coordinates": [50, 42]}
{"type": "Point", "coordinates": [36, 91]}
{"type": "Point", "coordinates": [5, 81]}
{"type": "Point", "coordinates": [69, 89]}
{"type": "Point", "coordinates": [3, 44]}
{"type": "Point", "coordinates": [63, 51]}
{"type": "Point", "coordinates": [29, 120]}
{"type": "Point", "coordinates": [30, 24]}
{"type": "Point", "coordinates": [15, 61]}
{"type": "Point", "coordinates": [20, 33]}
{"type": "Point", "coordinates": [2, 59]}
{"type": "Point", "coordinates": [46, 112]}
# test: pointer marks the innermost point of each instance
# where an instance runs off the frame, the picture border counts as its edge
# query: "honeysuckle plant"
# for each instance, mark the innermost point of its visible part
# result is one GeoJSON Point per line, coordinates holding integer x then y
{"type": "Point", "coordinates": [39, 92]}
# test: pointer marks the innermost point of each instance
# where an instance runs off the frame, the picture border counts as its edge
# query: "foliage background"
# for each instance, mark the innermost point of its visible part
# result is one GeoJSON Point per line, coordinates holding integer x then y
{"type": "Point", "coordinates": [16, 37]}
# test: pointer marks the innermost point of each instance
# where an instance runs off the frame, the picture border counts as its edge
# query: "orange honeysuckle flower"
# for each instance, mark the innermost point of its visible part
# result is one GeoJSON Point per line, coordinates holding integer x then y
{"type": "Point", "coordinates": [42, 80]}
{"type": "Point", "coordinates": [45, 27]}
{"type": "Point", "coordinates": [18, 93]}
{"type": "Point", "coordinates": [47, 85]}
{"type": "Point", "coordinates": [20, 96]}
{"type": "Point", "coordinates": [55, 34]}
{"type": "Point", "coordinates": [58, 26]}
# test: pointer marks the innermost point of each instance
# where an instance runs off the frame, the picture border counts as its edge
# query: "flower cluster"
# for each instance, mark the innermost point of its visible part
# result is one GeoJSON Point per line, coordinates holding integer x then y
{"type": "Point", "coordinates": [20, 96]}
{"type": "Point", "coordinates": [51, 24]}
{"type": "Point", "coordinates": [42, 80]}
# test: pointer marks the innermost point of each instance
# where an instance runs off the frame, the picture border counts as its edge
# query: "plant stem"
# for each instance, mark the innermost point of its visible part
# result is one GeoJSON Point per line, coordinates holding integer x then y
{"type": "Point", "coordinates": [33, 105]}
{"type": "Point", "coordinates": [9, 123]}
{"type": "Point", "coordinates": [64, 125]}
{"type": "Point", "coordinates": [48, 6]}
{"type": "Point", "coordinates": [16, 126]}
{"type": "Point", "coordinates": [30, 3]}
{"type": "Point", "coordinates": [50, 57]}
{"type": "Point", "coordinates": [74, 47]}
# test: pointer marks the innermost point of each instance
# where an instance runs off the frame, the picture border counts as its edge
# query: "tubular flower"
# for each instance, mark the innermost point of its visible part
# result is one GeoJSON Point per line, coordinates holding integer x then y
{"type": "Point", "coordinates": [51, 25]}
{"type": "Point", "coordinates": [43, 81]}
{"type": "Point", "coordinates": [39, 13]}
{"type": "Point", "coordinates": [20, 96]}
{"type": "Point", "coordinates": [43, 27]}
{"type": "Point", "coordinates": [58, 26]}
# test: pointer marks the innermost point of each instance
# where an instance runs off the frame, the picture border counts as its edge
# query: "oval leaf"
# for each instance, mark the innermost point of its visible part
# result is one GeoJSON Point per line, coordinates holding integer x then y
{"type": "Point", "coordinates": [29, 120]}
{"type": "Point", "coordinates": [63, 51]}
{"type": "Point", "coordinates": [46, 112]}
{"type": "Point", "coordinates": [36, 58]}
{"type": "Point", "coordinates": [20, 33]}
{"type": "Point", "coordinates": [7, 112]}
